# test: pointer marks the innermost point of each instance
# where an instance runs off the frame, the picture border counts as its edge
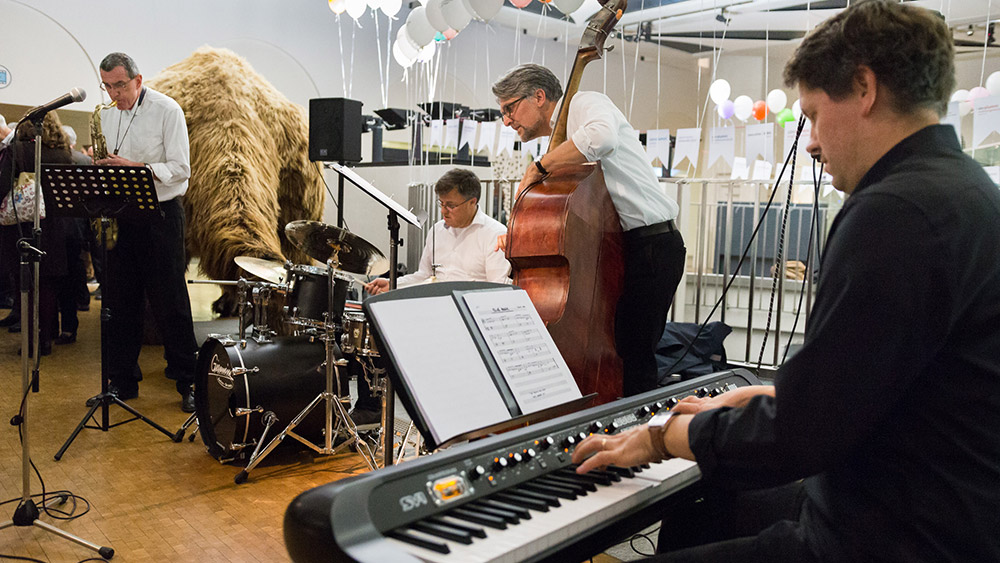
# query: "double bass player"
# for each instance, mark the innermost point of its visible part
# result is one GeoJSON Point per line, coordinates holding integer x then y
{"type": "Point", "coordinates": [530, 97]}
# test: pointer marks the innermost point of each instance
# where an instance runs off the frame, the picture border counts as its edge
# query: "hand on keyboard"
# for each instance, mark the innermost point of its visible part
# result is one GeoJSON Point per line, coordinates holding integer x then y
{"type": "Point", "coordinates": [625, 450]}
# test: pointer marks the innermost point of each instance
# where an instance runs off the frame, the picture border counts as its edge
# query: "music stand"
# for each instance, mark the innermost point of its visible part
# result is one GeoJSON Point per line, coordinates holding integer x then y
{"type": "Point", "coordinates": [104, 192]}
{"type": "Point", "coordinates": [395, 212]}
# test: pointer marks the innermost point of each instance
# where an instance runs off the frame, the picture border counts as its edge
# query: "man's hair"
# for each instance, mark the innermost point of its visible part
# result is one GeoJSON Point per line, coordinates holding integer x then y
{"type": "Point", "coordinates": [909, 49]}
{"type": "Point", "coordinates": [525, 80]}
{"type": "Point", "coordinates": [465, 181]}
{"type": "Point", "coordinates": [115, 60]}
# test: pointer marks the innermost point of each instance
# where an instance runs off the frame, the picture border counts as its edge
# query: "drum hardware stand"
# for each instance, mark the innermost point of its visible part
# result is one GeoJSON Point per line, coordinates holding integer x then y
{"type": "Point", "coordinates": [26, 514]}
{"type": "Point", "coordinates": [334, 361]}
{"type": "Point", "coordinates": [105, 206]}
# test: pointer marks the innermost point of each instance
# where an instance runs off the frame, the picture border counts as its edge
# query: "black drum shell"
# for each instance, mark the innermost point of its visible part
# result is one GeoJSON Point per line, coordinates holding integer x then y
{"type": "Point", "coordinates": [308, 297]}
{"type": "Point", "coordinates": [289, 375]}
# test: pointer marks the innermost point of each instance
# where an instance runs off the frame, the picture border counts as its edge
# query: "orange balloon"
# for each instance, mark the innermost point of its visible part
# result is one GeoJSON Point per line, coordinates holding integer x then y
{"type": "Point", "coordinates": [760, 110]}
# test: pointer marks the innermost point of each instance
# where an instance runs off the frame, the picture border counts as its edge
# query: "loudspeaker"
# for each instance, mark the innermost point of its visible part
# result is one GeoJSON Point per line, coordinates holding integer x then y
{"type": "Point", "coordinates": [335, 130]}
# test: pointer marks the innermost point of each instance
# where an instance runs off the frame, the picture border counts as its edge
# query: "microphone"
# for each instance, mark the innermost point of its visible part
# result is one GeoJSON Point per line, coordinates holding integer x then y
{"type": "Point", "coordinates": [74, 95]}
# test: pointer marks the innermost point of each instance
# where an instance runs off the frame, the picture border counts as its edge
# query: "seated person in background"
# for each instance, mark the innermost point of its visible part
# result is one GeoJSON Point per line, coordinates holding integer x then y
{"type": "Point", "coordinates": [878, 441]}
{"type": "Point", "coordinates": [460, 247]}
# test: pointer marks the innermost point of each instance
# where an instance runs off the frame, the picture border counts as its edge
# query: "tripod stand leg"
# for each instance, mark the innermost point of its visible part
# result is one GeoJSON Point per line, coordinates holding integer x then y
{"type": "Point", "coordinates": [79, 427]}
{"type": "Point", "coordinates": [187, 423]}
{"type": "Point", "coordinates": [27, 515]}
{"type": "Point", "coordinates": [142, 417]}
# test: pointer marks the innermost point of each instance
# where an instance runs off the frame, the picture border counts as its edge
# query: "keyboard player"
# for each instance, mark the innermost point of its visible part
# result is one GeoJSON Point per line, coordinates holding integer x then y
{"type": "Point", "coordinates": [879, 440]}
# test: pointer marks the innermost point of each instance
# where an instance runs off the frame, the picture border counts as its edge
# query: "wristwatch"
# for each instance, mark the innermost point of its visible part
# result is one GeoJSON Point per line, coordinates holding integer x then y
{"type": "Point", "coordinates": [657, 432]}
{"type": "Point", "coordinates": [541, 169]}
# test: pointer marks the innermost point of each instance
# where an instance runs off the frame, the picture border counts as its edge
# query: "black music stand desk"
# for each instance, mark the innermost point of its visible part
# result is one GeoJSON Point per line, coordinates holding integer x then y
{"type": "Point", "coordinates": [105, 193]}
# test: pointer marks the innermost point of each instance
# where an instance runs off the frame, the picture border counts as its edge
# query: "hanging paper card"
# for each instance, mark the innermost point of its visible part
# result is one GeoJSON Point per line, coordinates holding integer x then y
{"type": "Point", "coordinates": [487, 137]}
{"type": "Point", "coordinates": [686, 149]}
{"type": "Point", "coordinates": [530, 148]}
{"type": "Point", "coordinates": [740, 170]}
{"type": "Point", "coordinates": [761, 171]}
{"type": "Point", "coordinates": [994, 173]}
{"type": "Point", "coordinates": [722, 146]}
{"type": "Point", "coordinates": [506, 142]}
{"type": "Point", "coordinates": [543, 145]}
{"type": "Point", "coordinates": [760, 142]}
{"type": "Point", "coordinates": [658, 146]}
{"type": "Point", "coordinates": [803, 142]}
{"type": "Point", "coordinates": [986, 121]}
{"type": "Point", "coordinates": [437, 128]}
{"type": "Point", "coordinates": [451, 134]}
{"type": "Point", "coordinates": [468, 133]}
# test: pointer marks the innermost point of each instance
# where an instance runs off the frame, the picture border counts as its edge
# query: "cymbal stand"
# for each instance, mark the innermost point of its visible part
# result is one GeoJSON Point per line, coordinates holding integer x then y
{"type": "Point", "coordinates": [335, 360]}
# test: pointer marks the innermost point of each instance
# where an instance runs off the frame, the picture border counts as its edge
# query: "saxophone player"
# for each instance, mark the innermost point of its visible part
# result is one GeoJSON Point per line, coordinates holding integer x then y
{"type": "Point", "coordinates": [147, 128]}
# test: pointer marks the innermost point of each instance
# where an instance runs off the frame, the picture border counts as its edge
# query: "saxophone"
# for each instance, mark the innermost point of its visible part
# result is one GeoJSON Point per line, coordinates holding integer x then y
{"type": "Point", "coordinates": [101, 152]}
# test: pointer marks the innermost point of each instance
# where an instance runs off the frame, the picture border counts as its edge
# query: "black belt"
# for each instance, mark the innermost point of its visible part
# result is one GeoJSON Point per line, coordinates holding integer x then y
{"type": "Point", "coordinates": [650, 230]}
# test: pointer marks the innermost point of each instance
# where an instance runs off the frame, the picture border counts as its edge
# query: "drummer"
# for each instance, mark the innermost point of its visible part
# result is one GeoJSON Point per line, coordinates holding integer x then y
{"type": "Point", "coordinates": [462, 245]}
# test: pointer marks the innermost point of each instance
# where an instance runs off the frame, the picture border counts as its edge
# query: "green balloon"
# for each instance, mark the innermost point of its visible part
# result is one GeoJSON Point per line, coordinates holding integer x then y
{"type": "Point", "coordinates": [784, 116]}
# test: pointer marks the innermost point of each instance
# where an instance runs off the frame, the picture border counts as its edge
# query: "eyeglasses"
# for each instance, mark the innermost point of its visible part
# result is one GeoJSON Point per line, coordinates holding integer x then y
{"type": "Point", "coordinates": [118, 86]}
{"type": "Point", "coordinates": [451, 206]}
{"type": "Point", "coordinates": [508, 110]}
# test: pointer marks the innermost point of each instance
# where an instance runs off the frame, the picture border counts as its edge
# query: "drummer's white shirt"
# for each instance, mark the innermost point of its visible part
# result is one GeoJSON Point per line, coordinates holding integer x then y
{"type": "Point", "coordinates": [466, 254]}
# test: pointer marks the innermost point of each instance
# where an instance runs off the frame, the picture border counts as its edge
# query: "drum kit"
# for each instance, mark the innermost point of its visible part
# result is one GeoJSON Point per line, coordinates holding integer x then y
{"type": "Point", "coordinates": [263, 379]}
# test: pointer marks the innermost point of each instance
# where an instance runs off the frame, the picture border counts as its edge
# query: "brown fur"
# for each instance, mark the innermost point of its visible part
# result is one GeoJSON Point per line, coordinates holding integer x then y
{"type": "Point", "coordinates": [250, 171]}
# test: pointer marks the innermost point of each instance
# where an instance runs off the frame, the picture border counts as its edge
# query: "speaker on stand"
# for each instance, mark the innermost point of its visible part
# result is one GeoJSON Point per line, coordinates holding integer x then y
{"type": "Point", "coordinates": [335, 126]}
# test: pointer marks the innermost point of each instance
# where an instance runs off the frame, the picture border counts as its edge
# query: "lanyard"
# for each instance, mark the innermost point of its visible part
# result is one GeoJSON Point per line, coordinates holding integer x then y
{"type": "Point", "coordinates": [120, 141]}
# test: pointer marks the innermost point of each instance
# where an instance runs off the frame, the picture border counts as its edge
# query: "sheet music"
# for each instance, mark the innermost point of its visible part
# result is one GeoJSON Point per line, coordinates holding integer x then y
{"type": "Point", "coordinates": [441, 364]}
{"type": "Point", "coordinates": [519, 342]}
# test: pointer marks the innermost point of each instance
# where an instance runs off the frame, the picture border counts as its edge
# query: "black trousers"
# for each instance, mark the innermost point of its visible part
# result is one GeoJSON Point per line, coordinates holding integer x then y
{"type": "Point", "coordinates": [149, 260]}
{"type": "Point", "coordinates": [748, 526]}
{"type": "Point", "coordinates": [654, 266]}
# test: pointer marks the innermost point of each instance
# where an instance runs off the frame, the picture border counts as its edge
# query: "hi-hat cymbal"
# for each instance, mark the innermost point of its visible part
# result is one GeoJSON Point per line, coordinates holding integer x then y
{"type": "Point", "coordinates": [352, 253]}
{"type": "Point", "coordinates": [268, 270]}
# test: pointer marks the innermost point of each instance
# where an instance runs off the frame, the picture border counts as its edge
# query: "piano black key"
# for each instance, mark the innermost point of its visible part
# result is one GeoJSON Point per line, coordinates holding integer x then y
{"type": "Point", "coordinates": [609, 474]}
{"type": "Point", "coordinates": [404, 536]}
{"type": "Point", "coordinates": [520, 500]}
{"type": "Point", "coordinates": [522, 513]}
{"type": "Point", "coordinates": [600, 479]}
{"type": "Point", "coordinates": [508, 516]}
{"type": "Point", "coordinates": [479, 518]}
{"type": "Point", "coordinates": [443, 531]}
{"type": "Point", "coordinates": [622, 471]}
{"type": "Point", "coordinates": [472, 530]}
{"type": "Point", "coordinates": [549, 499]}
{"type": "Point", "coordinates": [555, 490]}
{"type": "Point", "coordinates": [581, 486]}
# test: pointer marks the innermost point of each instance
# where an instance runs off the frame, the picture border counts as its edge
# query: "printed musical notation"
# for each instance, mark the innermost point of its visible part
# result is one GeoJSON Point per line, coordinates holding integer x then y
{"type": "Point", "coordinates": [523, 349]}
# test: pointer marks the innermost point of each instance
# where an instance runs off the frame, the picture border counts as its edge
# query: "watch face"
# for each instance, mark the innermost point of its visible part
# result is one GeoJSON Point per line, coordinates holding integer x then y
{"type": "Point", "coordinates": [659, 419]}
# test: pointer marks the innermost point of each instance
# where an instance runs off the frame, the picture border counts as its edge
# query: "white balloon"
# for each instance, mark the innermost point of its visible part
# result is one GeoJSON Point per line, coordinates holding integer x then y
{"type": "Point", "coordinates": [356, 8]}
{"type": "Point", "coordinates": [484, 10]}
{"type": "Point", "coordinates": [993, 84]}
{"type": "Point", "coordinates": [743, 107]}
{"type": "Point", "coordinates": [797, 109]}
{"type": "Point", "coordinates": [960, 95]}
{"type": "Point", "coordinates": [374, 4]}
{"type": "Point", "coordinates": [427, 53]}
{"type": "Point", "coordinates": [419, 27]}
{"type": "Point", "coordinates": [435, 16]}
{"type": "Point", "coordinates": [391, 7]}
{"type": "Point", "coordinates": [455, 14]}
{"type": "Point", "coordinates": [719, 91]}
{"type": "Point", "coordinates": [338, 6]}
{"type": "Point", "coordinates": [406, 44]}
{"type": "Point", "coordinates": [402, 58]}
{"type": "Point", "coordinates": [568, 6]}
{"type": "Point", "coordinates": [776, 100]}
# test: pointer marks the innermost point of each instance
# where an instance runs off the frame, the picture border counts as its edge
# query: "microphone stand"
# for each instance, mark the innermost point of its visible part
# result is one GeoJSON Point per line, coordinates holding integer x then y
{"type": "Point", "coordinates": [26, 513]}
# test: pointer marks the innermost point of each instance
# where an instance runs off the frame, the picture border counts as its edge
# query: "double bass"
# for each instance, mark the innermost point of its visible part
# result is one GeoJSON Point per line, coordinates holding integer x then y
{"type": "Point", "coordinates": [565, 244]}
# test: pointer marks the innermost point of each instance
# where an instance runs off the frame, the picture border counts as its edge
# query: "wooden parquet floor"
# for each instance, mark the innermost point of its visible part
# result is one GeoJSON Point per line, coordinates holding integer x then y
{"type": "Point", "coordinates": [151, 499]}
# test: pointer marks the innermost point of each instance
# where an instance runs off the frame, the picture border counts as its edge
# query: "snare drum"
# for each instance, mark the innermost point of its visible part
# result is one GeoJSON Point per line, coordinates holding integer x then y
{"type": "Point", "coordinates": [309, 295]}
{"type": "Point", "coordinates": [357, 338]}
{"type": "Point", "coordinates": [235, 385]}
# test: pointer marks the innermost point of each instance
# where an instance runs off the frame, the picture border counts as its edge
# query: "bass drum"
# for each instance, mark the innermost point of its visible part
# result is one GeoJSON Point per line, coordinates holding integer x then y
{"type": "Point", "coordinates": [282, 377]}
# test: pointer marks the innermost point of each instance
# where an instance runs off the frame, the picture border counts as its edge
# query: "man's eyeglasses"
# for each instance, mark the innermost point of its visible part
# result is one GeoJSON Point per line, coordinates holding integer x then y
{"type": "Point", "coordinates": [451, 206]}
{"type": "Point", "coordinates": [508, 110]}
{"type": "Point", "coordinates": [116, 86]}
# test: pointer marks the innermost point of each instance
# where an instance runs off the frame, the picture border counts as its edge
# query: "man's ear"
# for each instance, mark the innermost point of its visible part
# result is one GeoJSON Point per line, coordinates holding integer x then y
{"type": "Point", "coordinates": [866, 87]}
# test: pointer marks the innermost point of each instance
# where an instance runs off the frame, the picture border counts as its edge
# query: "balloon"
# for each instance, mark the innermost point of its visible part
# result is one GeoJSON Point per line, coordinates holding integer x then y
{"type": "Point", "coordinates": [797, 110]}
{"type": "Point", "coordinates": [725, 109]}
{"type": "Point", "coordinates": [568, 6]}
{"type": "Point", "coordinates": [434, 15]}
{"type": "Point", "coordinates": [391, 7]}
{"type": "Point", "coordinates": [776, 100]}
{"type": "Point", "coordinates": [520, 3]}
{"type": "Point", "coordinates": [338, 6]}
{"type": "Point", "coordinates": [420, 29]}
{"type": "Point", "coordinates": [427, 53]}
{"type": "Point", "coordinates": [374, 4]}
{"type": "Point", "coordinates": [356, 8]}
{"type": "Point", "coordinates": [785, 117]}
{"type": "Point", "coordinates": [450, 34]}
{"type": "Point", "coordinates": [993, 84]}
{"type": "Point", "coordinates": [719, 90]}
{"type": "Point", "coordinates": [960, 95]}
{"type": "Point", "coordinates": [406, 44]}
{"type": "Point", "coordinates": [403, 59]}
{"type": "Point", "coordinates": [455, 14]}
{"type": "Point", "coordinates": [760, 110]}
{"type": "Point", "coordinates": [483, 10]}
{"type": "Point", "coordinates": [743, 107]}
{"type": "Point", "coordinates": [978, 92]}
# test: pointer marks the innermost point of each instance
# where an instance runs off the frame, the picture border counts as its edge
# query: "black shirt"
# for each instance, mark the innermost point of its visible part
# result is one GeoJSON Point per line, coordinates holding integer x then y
{"type": "Point", "coordinates": [891, 409]}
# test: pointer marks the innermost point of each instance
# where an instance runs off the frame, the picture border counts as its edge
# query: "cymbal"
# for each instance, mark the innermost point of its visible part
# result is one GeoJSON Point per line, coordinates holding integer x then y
{"type": "Point", "coordinates": [268, 270]}
{"type": "Point", "coordinates": [323, 242]}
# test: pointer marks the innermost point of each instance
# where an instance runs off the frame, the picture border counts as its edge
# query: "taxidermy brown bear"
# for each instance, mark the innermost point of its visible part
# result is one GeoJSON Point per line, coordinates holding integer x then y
{"type": "Point", "coordinates": [250, 170]}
